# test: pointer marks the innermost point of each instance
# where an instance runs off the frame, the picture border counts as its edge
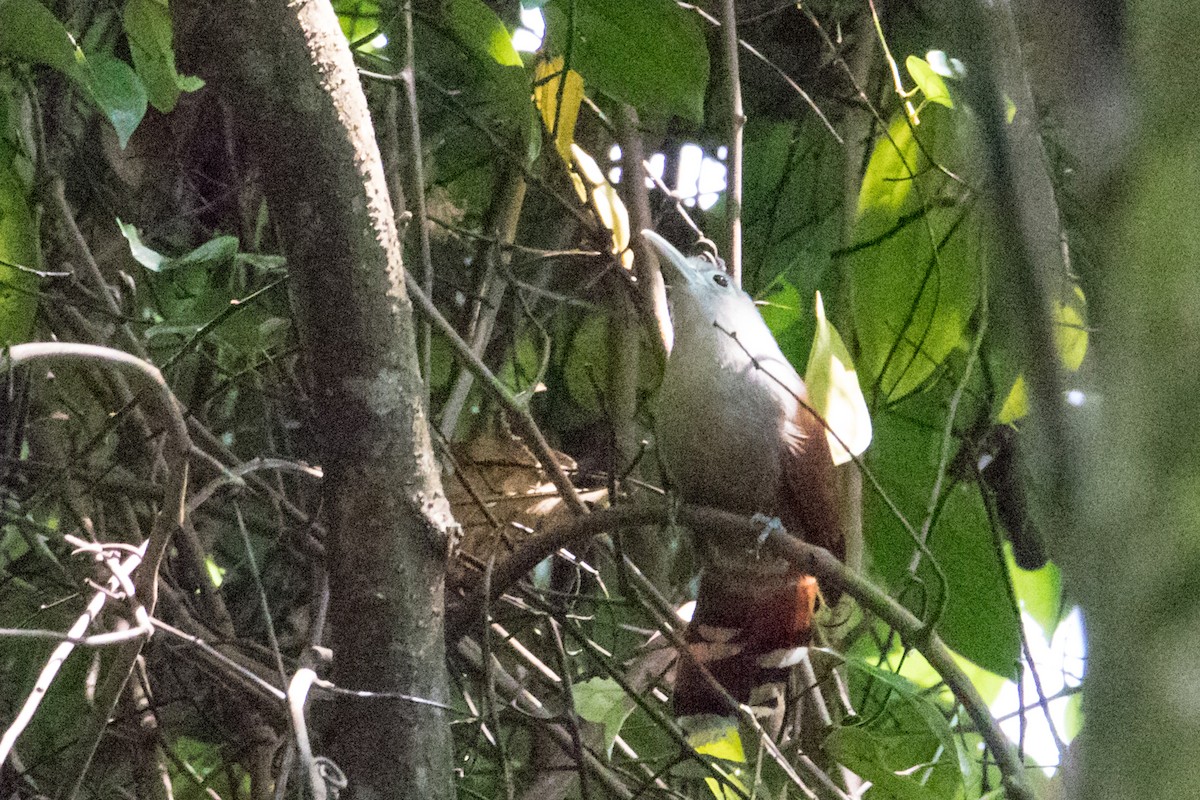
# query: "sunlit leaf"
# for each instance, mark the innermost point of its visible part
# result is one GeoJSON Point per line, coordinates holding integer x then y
{"type": "Point", "coordinates": [931, 84]}
{"type": "Point", "coordinates": [18, 248]}
{"type": "Point", "coordinates": [148, 27]}
{"type": "Point", "coordinates": [559, 119]}
{"type": "Point", "coordinates": [216, 573]}
{"type": "Point", "coordinates": [1071, 338]}
{"type": "Point", "coordinates": [1039, 593]}
{"type": "Point", "coordinates": [478, 27]}
{"type": "Point", "coordinates": [720, 738]}
{"type": "Point", "coordinates": [648, 53]}
{"type": "Point", "coordinates": [1073, 716]}
{"type": "Point", "coordinates": [834, 391]}
{"type": "Point", "coordinates": [603, 701]}
{"type": "Point", "coordinates": [914, 264]}
{"type": "Point", "coordinates": [593, 187]}
{"type": "Point", "coordinates": [1016, 403]}
{"type": "Point", "coordinates": [1070, 332]}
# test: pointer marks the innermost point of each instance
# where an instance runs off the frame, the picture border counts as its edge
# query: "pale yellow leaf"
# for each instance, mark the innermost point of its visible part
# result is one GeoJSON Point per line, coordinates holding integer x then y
{"type": "Point", "coordinates": [834, 392]}
{"type": "Point", "coordinates": [559, 119]}
{"type": "Point", "coordinates": [718, 737]}
{"type": "Point", "coordinates": [591, 184]}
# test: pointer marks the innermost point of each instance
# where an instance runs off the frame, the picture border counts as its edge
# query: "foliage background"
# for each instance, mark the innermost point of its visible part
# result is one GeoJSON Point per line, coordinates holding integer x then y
{"type": "Point", "coordinates": [131, 214]}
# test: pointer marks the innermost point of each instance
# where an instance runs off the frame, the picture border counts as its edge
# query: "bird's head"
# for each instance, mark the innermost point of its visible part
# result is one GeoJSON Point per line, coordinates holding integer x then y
{"type": "Point", "coordinates": [701, 292]}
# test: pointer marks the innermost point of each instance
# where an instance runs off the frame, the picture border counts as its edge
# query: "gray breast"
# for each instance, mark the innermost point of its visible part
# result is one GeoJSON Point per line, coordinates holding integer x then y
{"type": "Point", "coordinates": [719, 433]}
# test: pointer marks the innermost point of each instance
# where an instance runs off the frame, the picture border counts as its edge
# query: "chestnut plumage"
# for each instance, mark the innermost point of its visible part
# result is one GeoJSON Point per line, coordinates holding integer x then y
{"type": "Point", "coordinates": [735, 431]}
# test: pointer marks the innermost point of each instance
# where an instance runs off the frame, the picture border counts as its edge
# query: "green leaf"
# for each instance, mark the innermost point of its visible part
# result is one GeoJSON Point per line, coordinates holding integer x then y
{"type": "Point", "coordinates": [586, 367]}
{"type": "Point", "coordinates": [603, 701]}
{"type": "Point", "coordinates": [781, 308]}
{"type": "Point", "coordinates": [148, 257]}
{"type": "Point", "coordinates": [792, 174]}
{"type": "Point", "coordinates": [31, 33]}
{"type": "Point", "coordinates": [1071, 338]}
{"type": "Point", "coordinates": [963, 544]}
{"type": "Point", "coordinates": [213, 253]}
{"type": "Point", "coordinates": [914, 266]}
{"type": "Point", "coordinates": [864, 754]}
{"type": "Point", "coordinates": [931, 716]}
{"type": "Point", "coordinates": [1039, 593]}
{"type": "Point", "coordinates": [478, 27]}
{"type": "Point", "coordinates": [907, 449]}
{"type": "Point", "coordinates": [648, 53]}
{"type": "Point", "coordinates": [931, 84]}
{"type": "Point", "coordinates": [720, 739]}
{"type": "Point", "coordinates": [18, 248]}
{"type": "Point", "coordinates": [522, 371]}
{"type": "Point", "coordinates": [148, 28]}
{"type": "Point", "coordinates": [358, 18]}
{"type": "Point", "coordinates": [267, 262]}
{"type": "Point", "coordinates": [834, 392]}
{"type": "Point", "coordinates": [118, 91]}
{"type": "Point", "coordinates": [216, 573]}
{"type": "Point", "coordinates": [1073, 716]}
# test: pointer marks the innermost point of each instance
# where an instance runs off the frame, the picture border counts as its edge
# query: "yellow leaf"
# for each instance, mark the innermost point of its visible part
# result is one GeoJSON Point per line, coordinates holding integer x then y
{"type": "Point", "coordinates": [834, 392]}
{"type": "Point", "coordinates": [559, 119]}
{"type": "Point", "coordinates": [1016, 405]}
{"type": "Point", "coordinates": [718, 737]}
{"type": "Point", "coordinates": [1071, 338]}
{"type": "Point", "coordinates": [591, 185]}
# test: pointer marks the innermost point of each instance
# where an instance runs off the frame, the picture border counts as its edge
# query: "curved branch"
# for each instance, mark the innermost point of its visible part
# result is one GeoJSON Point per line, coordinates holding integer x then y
{"type": "Point", "coordinates": [808, 558]}
{"type": "Point", "coordinates": [165, 412]}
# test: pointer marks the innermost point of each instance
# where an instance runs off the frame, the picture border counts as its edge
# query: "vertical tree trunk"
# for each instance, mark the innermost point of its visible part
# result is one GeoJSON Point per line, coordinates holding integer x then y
{"type": "Point", "coordinates": [287, 74]}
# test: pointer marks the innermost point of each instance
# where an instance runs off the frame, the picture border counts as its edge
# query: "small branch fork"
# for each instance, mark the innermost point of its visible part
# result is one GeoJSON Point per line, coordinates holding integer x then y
{"type": "Point", "coordinates": [119, 586]}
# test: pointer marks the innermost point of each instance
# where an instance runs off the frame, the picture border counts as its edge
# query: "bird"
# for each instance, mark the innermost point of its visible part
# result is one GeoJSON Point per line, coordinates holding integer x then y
{"type": "Point", "coordinates": [735, 431]}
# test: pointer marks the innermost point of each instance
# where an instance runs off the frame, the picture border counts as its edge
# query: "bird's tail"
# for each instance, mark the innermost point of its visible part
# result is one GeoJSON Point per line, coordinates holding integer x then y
{"type": "Point", "coordinates": [747, 632]}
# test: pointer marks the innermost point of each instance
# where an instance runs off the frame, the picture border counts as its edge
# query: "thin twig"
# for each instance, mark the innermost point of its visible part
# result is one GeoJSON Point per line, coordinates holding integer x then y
{"type": "Point", "coordinates": [737, 124]}
{"type": "Point", "coordinates": [711, 20]}
{"type": "Point", "coordinates": [409, 78]}
{"type": "Point", "coordinates": [811, 560]}
{"type": "Point", "coordinates": [65, 648]}
{"type": "Point", "coordinates": [520, 414]}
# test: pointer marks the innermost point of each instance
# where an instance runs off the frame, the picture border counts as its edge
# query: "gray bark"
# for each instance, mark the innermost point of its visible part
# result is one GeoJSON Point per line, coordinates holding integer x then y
{"type": "Point", "coordinates": [285, 71]}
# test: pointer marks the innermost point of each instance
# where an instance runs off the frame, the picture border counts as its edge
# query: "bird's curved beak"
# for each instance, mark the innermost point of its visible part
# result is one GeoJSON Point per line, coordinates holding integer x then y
{"type": "Point", "coordinates": [675, 264]}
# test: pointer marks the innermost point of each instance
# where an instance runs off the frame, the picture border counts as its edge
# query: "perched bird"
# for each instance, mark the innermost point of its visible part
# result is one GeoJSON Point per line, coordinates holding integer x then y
{"type": "Point", "coordinates": [734, 431]}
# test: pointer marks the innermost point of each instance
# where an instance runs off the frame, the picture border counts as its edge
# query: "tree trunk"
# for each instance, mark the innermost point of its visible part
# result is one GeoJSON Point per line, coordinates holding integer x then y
{"type": "Point", "coordinates": [286, 72]}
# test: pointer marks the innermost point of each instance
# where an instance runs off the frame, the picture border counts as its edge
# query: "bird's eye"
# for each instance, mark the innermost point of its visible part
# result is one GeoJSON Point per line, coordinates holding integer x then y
{"type": "Point", "coordinates": [721, 279]}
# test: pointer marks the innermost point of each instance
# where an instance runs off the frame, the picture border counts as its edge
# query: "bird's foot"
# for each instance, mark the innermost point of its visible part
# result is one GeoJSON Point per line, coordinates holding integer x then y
{"type": "Point", "coordinates": [769, 525]}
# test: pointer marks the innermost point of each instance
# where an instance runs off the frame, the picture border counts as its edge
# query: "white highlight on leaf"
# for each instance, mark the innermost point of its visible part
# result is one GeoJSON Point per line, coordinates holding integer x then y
{"type": "Point", "coordinates": [1060, 666]}
{"type": "Point", "coordinates": [528, 37]}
